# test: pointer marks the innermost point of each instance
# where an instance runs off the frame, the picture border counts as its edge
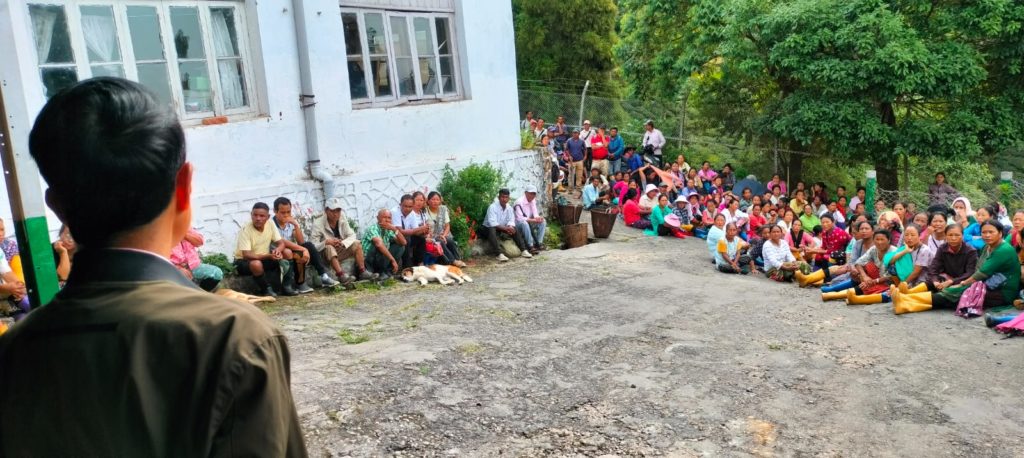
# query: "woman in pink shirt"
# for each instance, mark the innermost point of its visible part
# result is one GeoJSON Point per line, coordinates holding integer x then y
{"type": "Point", "coordinates": [185, 256]}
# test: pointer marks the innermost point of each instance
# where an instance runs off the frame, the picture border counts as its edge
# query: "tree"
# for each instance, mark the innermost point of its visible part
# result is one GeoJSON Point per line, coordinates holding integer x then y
{"type": "Point", "coordinates": [872, 79]}
{"type": "Point", "coordinates": [566, 40]}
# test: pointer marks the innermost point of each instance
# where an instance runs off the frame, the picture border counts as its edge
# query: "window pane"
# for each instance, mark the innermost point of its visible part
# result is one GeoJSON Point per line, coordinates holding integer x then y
{"type": "Point", "coordinates": [195, 87]}
{"type": "Point", "coordinates": [353, 46]}
{"type": "Point", "coordinates": [232, 83]}
{"type": "Point", "coordinates": [56, 79]}
{"type": "Point", "coordinates": [100, 34]}
{"type": "Point", "coordinates": [424, 43]}
{"type": "Point", "coordinates": [428, 75]}
{"type": "Point", "coordinates": [443, 45]}
{"type": "Point", "coordinates": [108, 70]}
{"type": "Point", "coordinates": [144, 26]}
{"type": "Point", "coordinates": [447, 76]}
{"type": "Point", "coordinates": [406, 79]}
{"type": "Point", "coordinates": [375, 33]}
{"type": "Point", "coordinates": [381, 80]}
{"type": "Point", "coordinates": [50, 28]}
{"type": "Point", "coordinates": [154, 77]}
{"type": "Point", "coordinates": [357, 79]}
{"type": "Point", "coordinates": [403, 56]}
{"type": "Point", "coordinates": [188, 39]}
{"type": "Point", "coordinates": [225, 35]}
{"type": "Point", "coordinates": [400, 37]}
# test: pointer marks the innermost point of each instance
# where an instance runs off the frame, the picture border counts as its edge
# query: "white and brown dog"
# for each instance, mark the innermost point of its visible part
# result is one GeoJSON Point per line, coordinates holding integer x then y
{"type": "Point", "coordinates": [445, 275]}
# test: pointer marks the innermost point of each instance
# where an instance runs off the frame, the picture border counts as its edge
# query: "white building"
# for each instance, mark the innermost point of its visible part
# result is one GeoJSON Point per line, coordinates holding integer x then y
{"type": "Point", "coordinates": [397, 89]}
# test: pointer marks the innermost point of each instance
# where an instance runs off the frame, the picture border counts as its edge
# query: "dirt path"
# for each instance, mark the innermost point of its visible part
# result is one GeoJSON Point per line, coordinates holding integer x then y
{"type": "Point", "coordinates": [636, 346]}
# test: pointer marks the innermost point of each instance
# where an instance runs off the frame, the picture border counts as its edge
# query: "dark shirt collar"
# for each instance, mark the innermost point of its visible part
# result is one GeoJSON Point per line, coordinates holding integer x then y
{"type": "Point", "coordinates": [122, 265]}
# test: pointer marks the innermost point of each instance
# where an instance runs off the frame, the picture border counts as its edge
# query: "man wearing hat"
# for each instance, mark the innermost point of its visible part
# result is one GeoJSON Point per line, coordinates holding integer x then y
{"type": "Point", "coordinates": [335, 240]}
{"type": "Point", "coordinates": [501, 220]}
{"type": "Point", "coordinates": [587, 135]}
{"type": "Point", "coordinates": [529, 220]}
{"type": "Point", "coordinates": [575, 152]}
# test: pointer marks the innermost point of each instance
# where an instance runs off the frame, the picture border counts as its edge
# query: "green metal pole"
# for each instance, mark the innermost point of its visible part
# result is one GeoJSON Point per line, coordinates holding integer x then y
{"type": "Point", "coordinates": [1006, 189]}
{"type": "Point", "coordinates": [870, 189]}
{"type": "Point", "coordinates": [29, 218]}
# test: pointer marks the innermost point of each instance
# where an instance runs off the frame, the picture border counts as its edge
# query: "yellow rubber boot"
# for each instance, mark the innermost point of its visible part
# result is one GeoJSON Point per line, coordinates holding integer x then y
{"type": "Point", "coordinates": [920, 288]}
{"type": "Point", "coordinates": [834, 296]}
{"type": "Point", "coordinates": [853, 299]}
{"type": "Point", "coordinates": [912, 303]}
{"type": "Point", "coordinates": [811, 278]}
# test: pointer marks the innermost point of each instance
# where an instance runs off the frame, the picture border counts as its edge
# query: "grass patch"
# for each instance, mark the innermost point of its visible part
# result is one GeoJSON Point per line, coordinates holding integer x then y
{"type": "Point", "coordinates": [413, 322]}
{"type": "Point", "coordinates": [350, 302]}
{"type": "Point", "coordinates": [775, 347]}
{"type": "Point", "coordinates": [553, 236]}
{"type": "Point", "coordinates": [375, 286]}
{"type": "Point", "coordinates": [424, 371]}
{"type": "Point", "coordinates": [469, 348]}
{"type": "Point", "coordinates": [502, 313]}
{"type": "Point", "coordinates": [351, 337]}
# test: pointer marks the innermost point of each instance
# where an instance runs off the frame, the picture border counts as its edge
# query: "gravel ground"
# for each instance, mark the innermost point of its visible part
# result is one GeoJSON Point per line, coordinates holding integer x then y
{"type": "Point", "coordinates": [635, 346]}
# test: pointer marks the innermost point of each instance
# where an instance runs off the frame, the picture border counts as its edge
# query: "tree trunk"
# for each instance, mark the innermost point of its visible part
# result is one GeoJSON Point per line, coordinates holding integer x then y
{"type": "Point", "coordinates": [796, 169]}
{"type": "Point", "coordinates": [886, 164]}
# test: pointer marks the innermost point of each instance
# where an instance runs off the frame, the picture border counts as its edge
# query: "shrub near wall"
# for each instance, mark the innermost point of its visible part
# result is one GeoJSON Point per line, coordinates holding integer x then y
{"type": "Point", "coordinates": [468, 193]}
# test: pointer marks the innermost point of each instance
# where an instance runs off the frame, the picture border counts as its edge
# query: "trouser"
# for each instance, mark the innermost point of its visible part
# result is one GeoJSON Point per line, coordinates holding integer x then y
{"type": "Point", "coordinates": [376, 262]}
{"type": "Point", "coordinates": [575, 175]}
{"type": "Point", "coordinates": [588, 159]}
{"type": "Point", "coordinates": [271, 273]}
{"type": "Point", "coordinates": [614, 166]}
{"type": "Point", "coordinates": [744, 264]}
{"type": "Point", "coordinates": [315, 259]}
{"type": "Point", "coordinates": [207, 276]}
{"type": "Point", "coordinates": [824, 265]}
{"type": "Point", "coordinates": [451, 250]}
{"type": "Point", "coordinates": [415, 250]}
{"type": "Point", "coordinates": [533, 233]}
{"type": "Point", "coordinates": [602, 165]}
{"type": "Point", "coordinates": [493, 235]}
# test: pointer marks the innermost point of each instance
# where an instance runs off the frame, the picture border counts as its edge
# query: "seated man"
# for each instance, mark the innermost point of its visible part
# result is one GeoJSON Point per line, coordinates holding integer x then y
{"type": "Point", "coordinates": [411, 224]}
{"type": "Point", "coordinates": [596, 172]}
{"type": "Point", "coordinates": [384, 246]}
{"type": "Point", "coordinates": [254, 255]}
{"type": "Point", "coordinates": [13, 290]}
{"type": "Point", "coordinates": [297, 255]}
{"type": "Point", "coordinates": [529, 221]}
{"type": "Point", "coordinates": [501, 220]}
{"type": "Point", "coordinates": [335, 240]}
{"type": "Point", "coordinates": [593, 196]}
{"type": "Point", "coordinates": [185, 256]}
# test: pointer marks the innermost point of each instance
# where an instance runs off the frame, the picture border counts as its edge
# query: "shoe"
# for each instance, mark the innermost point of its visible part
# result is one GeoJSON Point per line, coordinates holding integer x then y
{"type": "Point", "coordinates": [304, 289]}
{"type": "Point", "coordinates": [541, 248]}
{"type": "Point", "coordinates": [534, 251]}
{"type": "Point", "coordinates": [502, 257]}
{"type": "Point", "coordinates": [345, 278]}
{"type": "Point", "coordinates": [459, 264]}
{"type": "Point", "coordinates": [288, 291]}
{"type": "Point", "coordinates": [327, 281]}
{"type": "Point", "coordinates": [269, 292]}
{"type": "Point", "coordinates": [527, 255]}
{"type": "Point", "coordinates": [367, 275]}
{"type": "Point", "coordinates": [384, 277]}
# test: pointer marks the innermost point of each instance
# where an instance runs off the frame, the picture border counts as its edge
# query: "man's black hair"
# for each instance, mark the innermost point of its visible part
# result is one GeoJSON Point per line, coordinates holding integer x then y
{"type": "Point", "coordinates": [504, 192]}
{"type": "Point", "coordinates": [861, 188]}
{"type": "Point", "coordinates": [278, 202]}
{"type": "Point", "coordinates": [828, 217]}
{"type": "Point", "coordinates": [110, 153]}
{"type": "Point", "coordinates": [883, 232]}
{"type": "Point", "coordinates": [261, 206]}
{"type": "Point", "coordinates": [840, 187]}
{"type": "Point", "coordinates": [405, 197]}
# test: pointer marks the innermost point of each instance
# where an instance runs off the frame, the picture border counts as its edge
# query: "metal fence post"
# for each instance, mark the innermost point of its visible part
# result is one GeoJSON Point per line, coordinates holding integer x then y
{"type": "Point", "coordinates": [869, 195]}
{"type": "Point", "coordinates": [583, 101]}
{"type": "Point", "coordinates": [1005, 188]}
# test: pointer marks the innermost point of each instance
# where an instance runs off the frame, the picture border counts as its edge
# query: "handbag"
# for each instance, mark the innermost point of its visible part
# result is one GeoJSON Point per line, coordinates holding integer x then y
{"type": "Point", "coordinates": [972, 301]}
{"type": "Point", "coordinates": [434, 249]}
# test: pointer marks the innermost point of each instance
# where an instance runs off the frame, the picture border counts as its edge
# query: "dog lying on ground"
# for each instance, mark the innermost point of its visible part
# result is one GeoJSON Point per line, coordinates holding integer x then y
{"type": "Point", "coordinates": [445, 275]}
{"type": "Point", "coordinates": [230, 293]}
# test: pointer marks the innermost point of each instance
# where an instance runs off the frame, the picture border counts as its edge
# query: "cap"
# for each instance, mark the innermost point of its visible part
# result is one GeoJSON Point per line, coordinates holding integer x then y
{"type": "Point", "coordinates": [680, 199]}
{"type": "Point", "coordinates": [587, 121]}
{"type": "Point", "coordinates": [333, 203]}
{"type": "Point", "coordinates": [531, 188]}
{"type": "Point", "coordinates": [663, 185]}
{"type": "Point", "coordinates": [649, 188]}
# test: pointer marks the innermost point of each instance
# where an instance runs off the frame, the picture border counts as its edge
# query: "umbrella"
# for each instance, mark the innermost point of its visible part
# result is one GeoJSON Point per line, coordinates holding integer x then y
{"type": "Point", "coordinates": [756, 188]}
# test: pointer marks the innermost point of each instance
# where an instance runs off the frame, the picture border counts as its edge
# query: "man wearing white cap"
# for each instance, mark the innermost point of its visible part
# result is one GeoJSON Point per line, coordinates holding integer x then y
{"type": "Point", "coordinates": [334, 238]}
{"type": "Point", "coordinates": [529, 220]}
{"type": "Point", "coordinates": [649, 200]}
{"type": "Point", "coordinates": [587, 135]}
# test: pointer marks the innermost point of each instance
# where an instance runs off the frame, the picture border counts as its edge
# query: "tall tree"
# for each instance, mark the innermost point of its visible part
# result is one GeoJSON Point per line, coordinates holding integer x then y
{"type": "Point", "coordinates": [566, 40]}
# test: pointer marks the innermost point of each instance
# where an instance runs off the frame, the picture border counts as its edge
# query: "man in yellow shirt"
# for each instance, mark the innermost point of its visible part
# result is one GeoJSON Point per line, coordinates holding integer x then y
{"type": "Point", "coordinates": [254, 255]}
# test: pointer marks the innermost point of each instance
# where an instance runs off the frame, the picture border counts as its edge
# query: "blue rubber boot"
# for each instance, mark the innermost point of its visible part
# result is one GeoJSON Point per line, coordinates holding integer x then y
{"type": "Point", "coordinates": [838, 286]}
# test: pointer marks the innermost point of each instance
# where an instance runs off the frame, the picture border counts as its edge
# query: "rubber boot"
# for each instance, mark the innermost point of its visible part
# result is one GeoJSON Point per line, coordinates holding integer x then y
{"type": "Point", "coordinates": [853, 299]}
{"type": "Point", "coordinates": [838, 287]}
{"type": "Point", "coordinates": [905, 289]}
{"type": "Point", "coordinates": [806, 280]}
{"type": "Point", "coordinates": [833, 296]}
{"type": "Point", "coordinates": [912, 303]}
{"type": "Point", "coordinates": [995, 318]}
{"type": "Point", "coordinates": [818, 284]}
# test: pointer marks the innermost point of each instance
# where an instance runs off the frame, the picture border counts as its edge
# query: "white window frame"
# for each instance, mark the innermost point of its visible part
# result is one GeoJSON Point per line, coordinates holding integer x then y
{"type": "Point", "coordinates": [72, 10]}
{"type": "Point", "coordinates": [372, 101]}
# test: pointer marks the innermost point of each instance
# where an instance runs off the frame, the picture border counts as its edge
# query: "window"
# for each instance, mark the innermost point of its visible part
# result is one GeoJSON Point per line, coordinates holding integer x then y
{"type": "Point", "coordinates": [399, 57]}
{"type": "Point", "coordinates": [191, 54]}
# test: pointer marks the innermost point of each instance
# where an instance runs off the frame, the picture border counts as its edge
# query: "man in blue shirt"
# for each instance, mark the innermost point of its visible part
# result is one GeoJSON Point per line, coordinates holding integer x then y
{"type": "Point", "coordinates": [575, 149]}
{"type": "Point", "coordinates": [633, 161]}
{"type": "Point", "coordinates": [592, 195]}
{"type": "Point", "coordinates": [616, 146]}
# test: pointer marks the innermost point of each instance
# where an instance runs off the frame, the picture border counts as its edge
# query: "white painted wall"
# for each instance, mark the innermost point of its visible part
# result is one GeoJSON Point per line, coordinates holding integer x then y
{"type": "Point", "coordinates": [375, 154]}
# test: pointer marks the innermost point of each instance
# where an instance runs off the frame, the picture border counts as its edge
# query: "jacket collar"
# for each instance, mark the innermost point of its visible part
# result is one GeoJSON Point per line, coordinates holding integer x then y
{"type": "Point", "coordinates": [123, 265]}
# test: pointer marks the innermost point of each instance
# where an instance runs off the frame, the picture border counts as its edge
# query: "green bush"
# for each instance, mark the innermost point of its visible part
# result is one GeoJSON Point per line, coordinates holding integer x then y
{"type": "Point", "coordinates": [526, 139]}
{"type": "Point", "coordinates": [553, 236]}
{"type": "Point", "coordinates": [221, 261]}
{"type": "Point", "coordinates": [468, 193]}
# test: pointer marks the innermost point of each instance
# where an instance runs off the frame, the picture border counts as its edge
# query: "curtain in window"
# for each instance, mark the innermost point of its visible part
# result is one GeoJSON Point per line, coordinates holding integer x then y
{"type": "Point", "coordinates": [43, 20]}
{"type": "Point", "coordinates": [228, 69]}
{"type": "Point", "coordinates": [100, 37]}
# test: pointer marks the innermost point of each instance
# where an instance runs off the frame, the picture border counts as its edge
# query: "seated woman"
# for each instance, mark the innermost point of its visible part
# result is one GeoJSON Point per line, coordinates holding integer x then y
{"type": "Point", "coordinates": [963, 214]}
{"type": "Point", "coordinates": [936, 231]}
{"type": "Point", "coordinates": [953, 263]}
{"type": "Point", "coordinates": [658, 225]}
{"type": "Point", "coordinates": [788, 217]}
{"type": "Point", "coordinates": [715, 233]}
{"type": "Point", "coordinates": [801, 242]}
{"type": "Point", "coordinates": [733, 215]}
{"type": "Point", "coordinates": [809, 219]}
{"type": "Point", "coordinates": [972, 234]}
{"type": "Point", "coordinates": [869, 283]}
{"type": "Point", "coordinates": [900, 209]}
{"type": "Point", "coordinates": [729, 257]}
{"type": "Point", "coordinates": [185, 256]}
{"type": "Point", "coordinates": [710, 211]}
{"type": "Point", "coordinates": [922, 222]}
{"type": "Point", "coordinates": [631, 212]}
{"type": "Point", "coordinates": [891, 222]}
{"type": "Point", "coordinates": [1016, 230]}
{"type": "Point", "coordinates": [999, 268]}
{"type": "Point", "coordinates": [64, 250]}
{"type": "Point", "coordinates": [756, 220]}
{"type": "Point", "coordinates": [913, 271]}
{"type": "Point", "coordinates": [438, 219]}
{"type": "Point", "coordinates": [861, 241]}
{"type": "Point", "coordinates": [758, 238]}
{"type": "Point", "coordinates": [681, 210]}
{"type": "Point", "coordinates": [779, 263]}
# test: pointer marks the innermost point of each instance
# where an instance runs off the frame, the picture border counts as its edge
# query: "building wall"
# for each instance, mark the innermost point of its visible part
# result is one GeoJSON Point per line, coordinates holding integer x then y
{"type": "Point", "coordinates": [374, 154]}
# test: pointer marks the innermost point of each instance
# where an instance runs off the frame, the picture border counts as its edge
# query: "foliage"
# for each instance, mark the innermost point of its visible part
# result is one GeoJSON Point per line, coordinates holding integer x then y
{"type": "Point", "coordinates": [860, 79]}
{"type": "Point", "coordinates": [220, 261]}
{"type": "Point", "coordinates": [526, 139]}
{"type": "Point", "coordinates": [572, 39]}
{"type": "Point", "coordinates": [352, 337]}
{"type": "Point", "coordinates": [468, 193]}
{"type": "Point", "coordinates": [553, 236]}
